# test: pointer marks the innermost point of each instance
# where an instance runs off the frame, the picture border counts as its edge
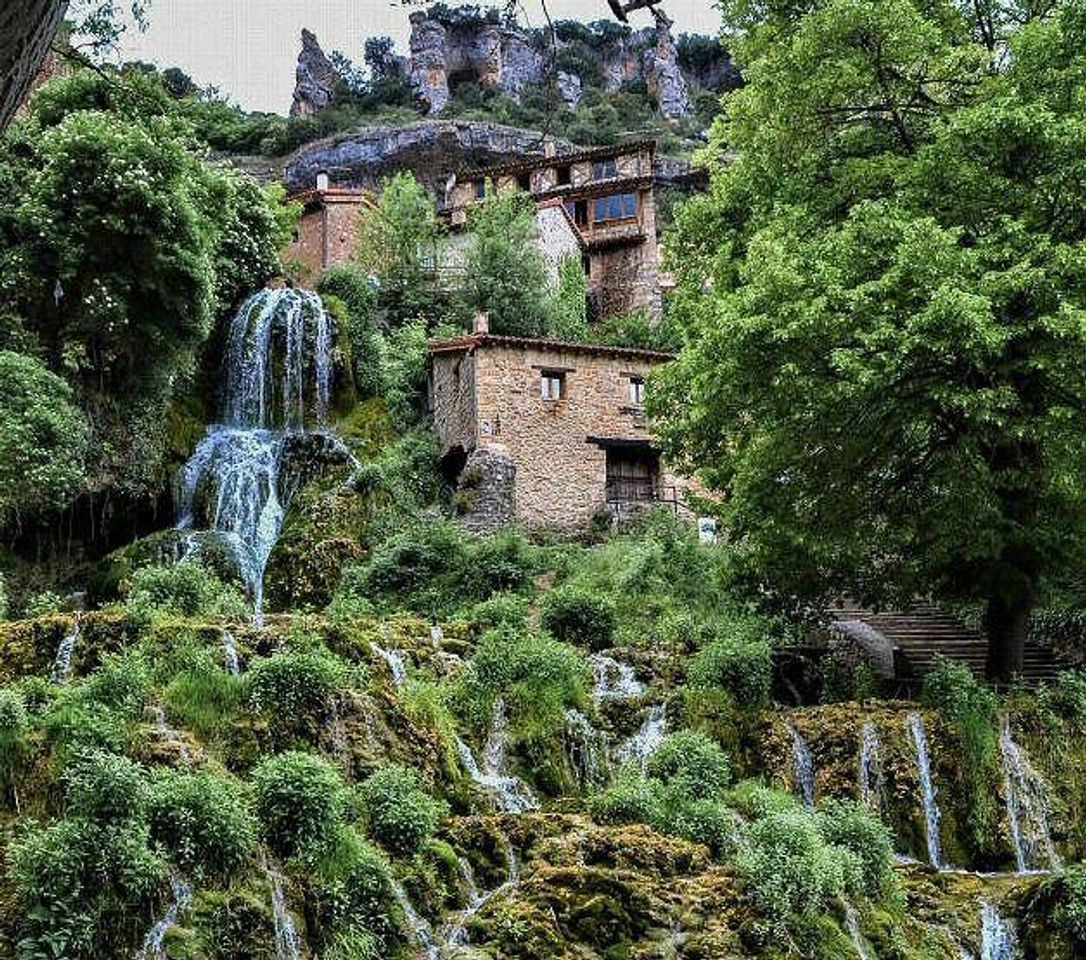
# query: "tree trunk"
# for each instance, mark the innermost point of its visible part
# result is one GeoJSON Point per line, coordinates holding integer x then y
{"type": "Point", "coordinates": [1007, 624]}
{"type": "Point", "coordinates": [27, 28]}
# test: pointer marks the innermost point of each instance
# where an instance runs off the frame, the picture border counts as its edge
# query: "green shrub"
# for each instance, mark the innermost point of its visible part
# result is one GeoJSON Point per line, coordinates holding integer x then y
{"type": "Point", "coordinates": [201, 820]}
{"type": "Point", "coordinates": [702, 821]}
{"type": "Point", "coordinates": [848, 824]}
{"type": "Point", "coordinates": [298, 802]}
{"type": "Point", "coordinates": [42, 604]}
{"type": "Point", "coordinates": [498, 563]}
{"type": "Point", "coordinates": [413, 565]}
{"type": "Point", "coordinates": [1065, 700]}
{"type": "Point", "coordinates": [73, 724]}
{"type": "Point", "coordinates": [295, 689]}
{"type": "Point", "coordinates": [13, 744]}
{"type": "Point", "coordinates": [186, 589]}
{"type": "Point", "coordinates": [1070, 913]}
{"type": "Point", "coordinates": [358, 294]}
{"type": "Point", "coordinates": [578, 616]}
{"type": "Point", "coordinates": [501, 610]}
{"type": "Point", "coordinates": [632, 798]}
{"type": "Point", "coordinates": [739, 663]}
{"type": "Point", "coordinates": [352, 887]}
{"type": "Point", "coordinates": [122, 682]}
{"type": "Point", "coordinates": [105, 788]}
{"type": "Point", "coordinates": [400, 814]}
{"type": "Point", "coordinates": [204, 697]}
{"type": "Point", "coordinates": [692, 766]}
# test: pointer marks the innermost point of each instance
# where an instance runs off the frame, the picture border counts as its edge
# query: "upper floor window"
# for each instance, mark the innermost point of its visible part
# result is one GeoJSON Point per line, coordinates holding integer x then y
{"type": "Point", "coordinates": [524, 182]}
{"type": "Point", "coordinates": [553, 385]}
{"type": "Point", "coordinates": [480, 189]}
{"type": "Point", "coordinates": [621, 206]}
{"type": "Point", "coordinates": [637, 391]}
{"type": "Point", "coordinates": [564, 175]}
{"type": "Point", "coordinates": [604, 169]}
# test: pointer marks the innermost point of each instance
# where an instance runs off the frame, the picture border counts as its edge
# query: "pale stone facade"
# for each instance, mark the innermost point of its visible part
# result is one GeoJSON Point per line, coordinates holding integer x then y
{"type": "Point", "coordinates": [608, 196]}
{"type": "Point", "coordinates": [567, 418]}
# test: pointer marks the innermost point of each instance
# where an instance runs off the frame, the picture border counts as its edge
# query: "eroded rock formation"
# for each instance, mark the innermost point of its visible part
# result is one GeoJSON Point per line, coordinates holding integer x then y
{"type": "Point", "coordinates": [316, 79]}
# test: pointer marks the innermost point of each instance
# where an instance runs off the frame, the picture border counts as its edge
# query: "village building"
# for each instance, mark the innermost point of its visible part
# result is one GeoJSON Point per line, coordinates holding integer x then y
{"type": "Point", "coordinates": [608, 196]}
{"type": "Point", "coordinates": [327, 231]}
{"type": "Point", "coordinates": [548, 433]}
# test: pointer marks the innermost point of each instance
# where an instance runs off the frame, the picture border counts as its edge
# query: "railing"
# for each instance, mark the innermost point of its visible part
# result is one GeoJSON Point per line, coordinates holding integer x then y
{"type": "Point", "coordinates": [628, 491]}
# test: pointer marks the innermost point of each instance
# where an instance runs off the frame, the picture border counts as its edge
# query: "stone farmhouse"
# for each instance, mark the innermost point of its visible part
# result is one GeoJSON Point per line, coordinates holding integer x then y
{"type": "Point", "coordinates": [546, 432]}
{"type": "Point", "coordinates": [608, 195]}
{"type": "Point", "coordinates": [327, 232]}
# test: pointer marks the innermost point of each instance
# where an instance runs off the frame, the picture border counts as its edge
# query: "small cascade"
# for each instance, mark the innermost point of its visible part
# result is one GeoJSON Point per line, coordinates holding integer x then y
{"type": "Point", "coordinates": [238, 465]}
{"type": "Point", "coordinates": [457, 934]}
{"type": "Point", "coordinates": [437, 635]}
{"type": "Point", "coordinates": [421, 931]}
{"type": "Point", "coordinates": [288, 944]}
{"type": "Point", "coordinates": [803, 768]}
{"type": "Point", "coordinates": [396, 660]}
{"type": "Point", "coordinates": [337, 736]}
{"type": "Point", "coordinates": [997, 939]}
{"type": "Point", "coordinates": [230, 654]}
{"type": "Point", "coordinates": [852, 924]}
{"type": "Point", "coordinates": [1027, 807]}
{"type": "Point", "coordinates": [614, 680]}
{"type": "Point", "coordinates": [872, 777]}
{"type": "Point", "coordinates": [586, 747]}
{"type": "Point", "coordinates": [511, 794]}
{"type": "Point", "coordinates": [929, 794]}
{"type": "Point", "coordinates": [182, 898]}
{"type": "Point", "coordinates": [169, 735]}
{"type": "Point", "coordinates": [647, 740]}
{"type": "Point", "coordinates": [62, 662]}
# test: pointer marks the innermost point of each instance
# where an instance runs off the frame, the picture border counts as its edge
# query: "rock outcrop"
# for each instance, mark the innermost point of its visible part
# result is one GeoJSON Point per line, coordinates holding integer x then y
{"type": "Point", "coordinates": [315, 80]}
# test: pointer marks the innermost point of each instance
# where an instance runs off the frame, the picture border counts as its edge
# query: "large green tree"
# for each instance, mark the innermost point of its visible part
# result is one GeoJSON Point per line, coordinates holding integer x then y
{"type": "Point", "coordinates": [884, 303]}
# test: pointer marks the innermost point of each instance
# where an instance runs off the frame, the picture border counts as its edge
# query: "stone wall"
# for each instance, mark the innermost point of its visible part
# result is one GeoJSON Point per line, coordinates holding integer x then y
{"type": "Point", "coordinates": [560, 474]}
{"type": "Point", "coordinates": [326, 234]}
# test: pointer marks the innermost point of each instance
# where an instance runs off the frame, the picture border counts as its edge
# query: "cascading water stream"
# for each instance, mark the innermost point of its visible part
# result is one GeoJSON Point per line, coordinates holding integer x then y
{"type": "Point", "coordinates": [238, 463]}
{"type": "Point", "coordinates": [647, 740]}
{"type": "Point", "coordinates": [1027, 807]}
{"type": "Point", "coordinates": [182, 898]}
{"type": "Point", "coordinates": [852, 924]}
{"type": "Point", "coordinates": [997, 939]}
{"type": "Point", "coordinates": [803, 768]}
{"type": "Point", "coordinates": [62, 662]}
{"type": "Point", "coordinates": [586, 747]}
{"type": "Point", "coordinates": [872, 777]}
{"type": "Point", "coordinates": [614, 680]}
{"type": "Point", "coordinates": [929, 795]}
{"type": "Point", "coordinates": [230, 654]}
{"type": "Point", "coordinates": [288, 944]}
{"type": "Point", "coordinates": [511, 794]}
{"type": "Point", "coordinates": [457, 933]}
{"type": "Point", "coordinates": [421, 931]}
{"type": "Point", "coordinates": [168, 735]}
{"type": "Point", "coordinates": [396, 660]}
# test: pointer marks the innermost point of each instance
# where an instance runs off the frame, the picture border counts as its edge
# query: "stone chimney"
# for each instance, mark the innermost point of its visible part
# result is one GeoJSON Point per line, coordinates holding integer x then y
{"type": "Point", "coordinates": [550, 146]}
{"type": "Point", "coordinates": [482, 323]}
{"type": "Point", "coordinates": [322, 181]}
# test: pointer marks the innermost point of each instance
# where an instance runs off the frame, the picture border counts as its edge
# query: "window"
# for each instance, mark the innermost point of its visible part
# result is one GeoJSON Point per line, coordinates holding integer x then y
{"type": "Point", "coordinates": [480, 189]}
{"type": "Point", "coordinates": [604, 170]}
{"type": "Point", "coordinates": [524, 182]}
{"type": "Point", "coordinates": [620, 206]}
{"type": "Point", "coordinates": [553, 385]}
{"type": "Point", "coordinates": [637, 391]}
{"type": "Point", "coordinates": [564, 176]}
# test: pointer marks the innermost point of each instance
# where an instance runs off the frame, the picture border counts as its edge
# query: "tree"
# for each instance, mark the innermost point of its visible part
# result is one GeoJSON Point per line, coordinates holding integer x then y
{"type": "Point", "coordinates": [41, 438]}
{"type": "Point", "coordinates": [884, 311]}
{"type": "Point", "coordinates": [27, 28]}
{"type": "Point", "coordinates": [397, 244]}
{"type": "Point", "coordinates": [506, 275]}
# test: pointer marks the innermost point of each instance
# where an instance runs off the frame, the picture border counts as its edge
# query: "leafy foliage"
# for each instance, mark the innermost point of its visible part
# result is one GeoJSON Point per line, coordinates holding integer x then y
{"type": "Point", "coordinates": [739, 662]}
{"type": "Point", "coordinates": [296, 689]}
{"type": "Point", "coordinates": [298, 801]}
{"type": "Point", "coordinates": [400, 815]}
{"type": "Point", "coordinates": [182, 589]}
{"type": "Point", "coordinates": [580, 617]}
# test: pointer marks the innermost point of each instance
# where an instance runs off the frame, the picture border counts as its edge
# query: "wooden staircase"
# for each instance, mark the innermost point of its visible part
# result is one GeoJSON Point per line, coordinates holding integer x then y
{"type": "Point", "coordinates": [923, 633]}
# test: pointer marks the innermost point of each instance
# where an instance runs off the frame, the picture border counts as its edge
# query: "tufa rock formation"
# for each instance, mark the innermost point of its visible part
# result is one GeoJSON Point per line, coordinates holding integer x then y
{"type": "Point", "coordinates": [316, 79]}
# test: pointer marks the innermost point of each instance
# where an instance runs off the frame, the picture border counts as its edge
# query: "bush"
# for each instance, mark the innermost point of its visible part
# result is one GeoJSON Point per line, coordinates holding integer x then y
{"type": "Point", "coordinates": [298, 802]}
{"type": "Point", "coordinates": [42, 604]}
{"type": "Point", "coordinates": [204, 697]}
{"type": "Point", "coordinates": [739, 663]}
{"type": "Point", "coordinates": [295, 689]}
{"type": "Point", "coordinates": [73, 724]}
{"type": "Point", "coordinates": [848, 824]}
{"type": "Point", "coordinates": [400, 815]}
{"type": "Point", "coordinates": [1065, 700]}
{"type": "Point", "coordinates": [122, 682]}
{"type": "Point", "coordinates": [498, 563]}
{"type": "Point", "coordinates": [13, 746]}
{"type": "Point", "coordinates": [692, 766]}
{"type": "Point", "coordinates": [186, 589]}
{"type": "Point", "coordinates": [703, 821]}
{"type": "Point", "coordinates": [501, 610]}
{"type": "Point", "coordinates": [632, 798]}
{"type": "Point", "coordinates": [105, 788]}
{"type": "Point", "coordinates": [577, 616]}
{"type": "Point", "coordinates": [358, 294]}
{"type": "Point", "coordinates": [202, 821]}
{"type": "Point", "coordinates": [1070, 914]}
{"type": "Point", "coordinates": [352, 887]}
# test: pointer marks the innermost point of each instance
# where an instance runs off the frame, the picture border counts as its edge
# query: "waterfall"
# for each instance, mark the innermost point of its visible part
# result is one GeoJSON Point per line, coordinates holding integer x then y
{"type": "Point", "coordinates": [1027, 807]}
{"type": "Point", "coordinates": [182, 898]}
{"type": "Point", "coordinates": [168, 735]}
{"type": "Point", "coordinates": [288, 944]}
{"type": "Point", "coordinates": [437, 635]}
{"type": "Point", "coordinates": [396, 661]}
{"type": "Point", "coordinates": [927, 787]}
{"type": "Point", "coordinates": [457, 934]}
{"type": "Point", "coordinates": [586, 748]}
{"type": "Point", "coordinates": [240, 459]}
{"type": "Point", "coordinates": [511, 794]}
{"type": "Point", "coordinates": [62, 662]}
{"type": "Point", "coordinates": [230, 654]}
{"type": "Point", "coordinates": [421, 931]}
{"type": "Point", "coordinates": [647, 740]}
{"type": "Point", "coordinates": [997, 939]}
{"type": "Point", "coordinates": [852, 924]}
{"type": "Point", "coordinates": [803, 768]}
{"type": "Point", "coordinates": [872, 778]}
{"type": "Point", "coordinates": [614, 680]}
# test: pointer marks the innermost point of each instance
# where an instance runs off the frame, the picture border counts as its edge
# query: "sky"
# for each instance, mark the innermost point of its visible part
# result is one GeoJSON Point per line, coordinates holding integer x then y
{"type": "Point", "coordinates": [248, 48]}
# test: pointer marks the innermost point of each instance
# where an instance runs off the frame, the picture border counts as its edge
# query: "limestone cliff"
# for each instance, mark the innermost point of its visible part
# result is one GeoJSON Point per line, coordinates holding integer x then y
{"type": "Point", "coordinates": [316, 79]}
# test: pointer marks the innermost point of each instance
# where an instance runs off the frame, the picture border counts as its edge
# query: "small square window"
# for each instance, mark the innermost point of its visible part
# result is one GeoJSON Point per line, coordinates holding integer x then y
{"type": "Point", "coordinates": [637, 392]}
{"type": "Point", "coordinates": [604, 170]}
{"type": "Point", "coordinates": [524, 182]}
{"type": "Point", "coordinates": [565, 176]}
{"type": "Point", "coordinates": [480, 189]}
{"type": "Point", "coordinates": [553, 385]}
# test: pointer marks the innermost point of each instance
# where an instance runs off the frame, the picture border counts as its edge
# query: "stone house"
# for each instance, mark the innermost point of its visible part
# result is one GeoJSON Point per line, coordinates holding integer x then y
{"type": "Point", "coordinates": [608, 195]}
{"type": "Point", "coordinates": [546, 432]}
{"type": "Point", "coordinates": [327, 232]}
